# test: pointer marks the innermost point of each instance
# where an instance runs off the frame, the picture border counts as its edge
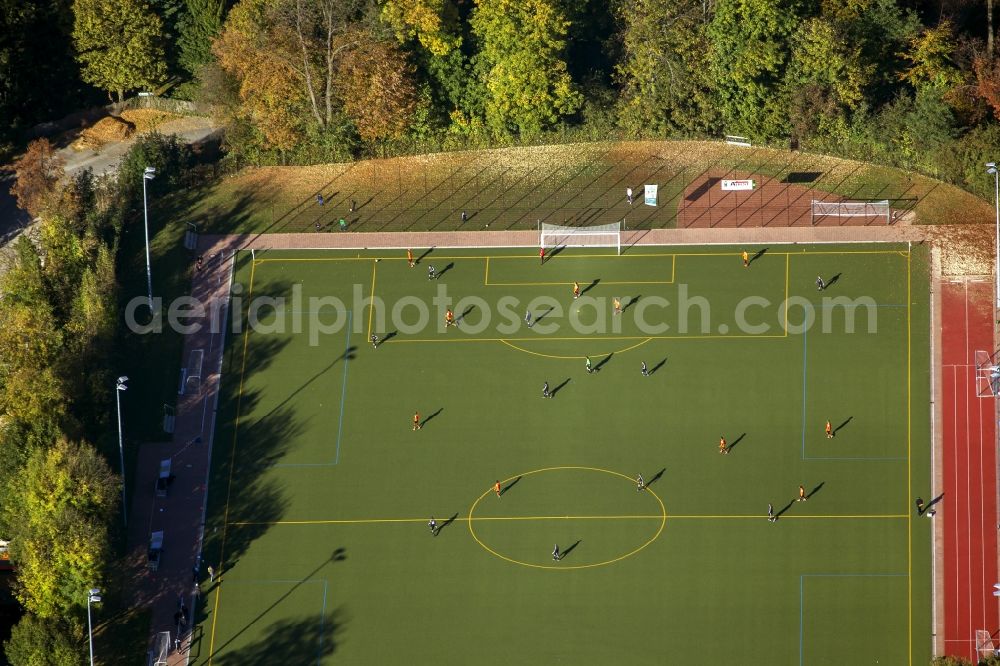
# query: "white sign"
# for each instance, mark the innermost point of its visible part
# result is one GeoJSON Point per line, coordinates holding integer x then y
{"type": "Point", "coordinates": [738, 185]}
{"type": "Point", "coordinates": [650, 195]}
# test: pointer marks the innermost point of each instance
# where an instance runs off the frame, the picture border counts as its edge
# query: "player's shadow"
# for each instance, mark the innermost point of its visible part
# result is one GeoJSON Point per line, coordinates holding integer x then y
{"type": "Point", "coordinates": [656, 477]}
{"type": "Point", "coordinates": [339, 555]}
{"type": "Point", "coordinates": [829, 283]}
{"type": "Point", "coordinates": [467, 311]}
{"type": "Point", "coordinates": [815, 490]}
{"type": "Point", "coordinates": [446, 523]}
{"type": "Point", "coordinates": [559, 388]}
{"type": "Point", "coordinates": [565, 553]}
{"type": "Point", "coordinates": [631, 301]}
{"type": "Point", "coordinates": [933, 502]}
{"type": "Point", "coordinates": [659, 365]}
{"type": "Point", "coordinates": [451, 265]}
{"type": "Point", "coordinates": [503, 491]}
{"type": "Point", "coordinates": [736, 441]}
{"type": "Point", "coordinates": [428, 419]}
{"type": "Point", "coordinates": [603, 362]}
{"type": "Point", "coordinates": [760, 253]}
{"type": "Point", "coordinates": [420, 258]}
{"type": "Point", "coordinates": [837, 429]}
{"type": "Point", "coordinates": [544, 314]}
{"type": "Point", "coordinates": [784, 509]}
{"type": "Point", "coordinates": [590, 286]}
{"type": "Point", "coordinates": [389, 336]}
{"type": "Point", "coordinates": [556, 250]}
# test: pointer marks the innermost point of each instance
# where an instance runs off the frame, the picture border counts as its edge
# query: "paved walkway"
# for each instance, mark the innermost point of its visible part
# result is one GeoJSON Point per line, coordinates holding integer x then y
{"type": "Point", "coordinates": [396, 240]}
{"type": "Point", "coordinates": [182, 514]}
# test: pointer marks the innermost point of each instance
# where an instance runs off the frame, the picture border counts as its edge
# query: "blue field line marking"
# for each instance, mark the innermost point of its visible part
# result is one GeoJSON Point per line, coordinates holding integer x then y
{"type": "Point", "coordinates": [802, 604]}
{"type": "Point", "coordinates": [322, 622]}
{"type": "Point", "coordinates": [805, 368]}
{"type": "Point", "coordinates": [343, 390]}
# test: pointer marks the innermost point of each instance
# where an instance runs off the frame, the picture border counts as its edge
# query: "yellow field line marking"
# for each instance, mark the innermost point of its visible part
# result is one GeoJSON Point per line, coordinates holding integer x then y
{"type": "Point", "coordinates": [232, 466]}
{"type": "Point", "coordinates": [588, 338]}
{"type": "Point", "coordinates": [909, 473]}
{"type": "Point", "coordinates": [552, 284]}
{"type": "Point", "coordinates": [371, 308]}
{"type": "Point", "coordinates": [486, 280]}
{"type": "Point", "coordinates": [576, 356]}
{"type": "Point", "coordinates": [673, 268]}
{"type": "Point", "coordinates": [377, 521]}
{"type": "Point", "coordinates": [577, 256]}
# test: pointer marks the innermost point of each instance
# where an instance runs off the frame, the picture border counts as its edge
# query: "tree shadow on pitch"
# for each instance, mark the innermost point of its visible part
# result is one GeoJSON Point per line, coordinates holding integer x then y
{"type": "Point", "coordinates": [559, 388]}
{"type": "Point", "coordinates": [503, 491]}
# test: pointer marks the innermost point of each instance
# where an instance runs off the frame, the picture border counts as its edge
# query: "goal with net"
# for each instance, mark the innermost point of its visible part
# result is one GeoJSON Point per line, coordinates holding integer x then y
{"type": "Point", "coordinates": [987, 374]}
{"type": "Point", "coordinates": [873, 209]}
{"type": "Point", "coordinates": [599, 235]}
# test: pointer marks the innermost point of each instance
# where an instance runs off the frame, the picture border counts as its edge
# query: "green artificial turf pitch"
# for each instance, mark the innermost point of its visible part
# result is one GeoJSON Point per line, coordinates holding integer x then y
{"type": "Point", "coordinates": [321, 491]}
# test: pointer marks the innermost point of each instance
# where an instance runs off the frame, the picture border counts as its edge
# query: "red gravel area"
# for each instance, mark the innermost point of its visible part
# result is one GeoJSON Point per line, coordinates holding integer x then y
{"type": "Point", "coordinates": [772, 203]}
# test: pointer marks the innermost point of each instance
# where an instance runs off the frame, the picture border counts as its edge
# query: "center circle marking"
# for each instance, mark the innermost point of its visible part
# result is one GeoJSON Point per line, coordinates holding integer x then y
{"type": "Point", "coordinates": [663, 521]}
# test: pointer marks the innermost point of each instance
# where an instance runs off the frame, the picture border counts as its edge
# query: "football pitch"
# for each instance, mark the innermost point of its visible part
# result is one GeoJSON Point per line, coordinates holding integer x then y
{"type": "Point", "coordinates": [321, 489]}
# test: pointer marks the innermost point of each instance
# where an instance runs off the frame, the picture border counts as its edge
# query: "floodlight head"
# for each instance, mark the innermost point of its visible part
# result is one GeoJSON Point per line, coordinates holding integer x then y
{"type": "Point", "coordinates": [150, 170]}
{"type": "Point", "coordinates": [123, 379]}
{"type": "Point", "coordinates": [121, 383]}
{"type": "Point", "coordinates": [94, 591]}
{"type": "Point", "coordinates": [991, 168]}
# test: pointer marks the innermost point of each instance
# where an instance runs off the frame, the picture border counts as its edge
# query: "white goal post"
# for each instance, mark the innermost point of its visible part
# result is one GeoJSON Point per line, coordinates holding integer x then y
{"type": "Point", "coordinates": [599, 235]}
{"type": "Point", "coordinates": [851, 209]}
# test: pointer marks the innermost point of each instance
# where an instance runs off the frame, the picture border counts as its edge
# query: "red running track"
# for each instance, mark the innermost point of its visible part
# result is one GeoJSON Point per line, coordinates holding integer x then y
{"type": "Point", "coordinates": [968, 510]}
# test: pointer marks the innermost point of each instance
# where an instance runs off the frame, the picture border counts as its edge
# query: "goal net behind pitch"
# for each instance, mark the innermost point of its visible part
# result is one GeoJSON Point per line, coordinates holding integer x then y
{"type": "Point", "coordinates": [985, 647]}
{"type": "Point", "coordinates": [987, 374]}
{"type": "Point", "coordinates": [600, 235]}
{"type": "Point", "coordinates": [872, 209]}
{"type": "Point", "coordinates": [161, 649]}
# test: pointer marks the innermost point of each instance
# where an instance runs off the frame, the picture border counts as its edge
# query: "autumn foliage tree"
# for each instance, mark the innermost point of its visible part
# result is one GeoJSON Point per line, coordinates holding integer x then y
{"type": "Point", "coordinates": [38, 172]}
{"type": "Point", "coordinates": [119, 44]}
{"type": "Point", "coordinates": [376, 83]}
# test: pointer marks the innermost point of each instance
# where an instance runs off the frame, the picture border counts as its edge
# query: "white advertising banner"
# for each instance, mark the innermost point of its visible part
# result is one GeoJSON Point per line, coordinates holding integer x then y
{"type": "Point", "coordinates": [650, 195]}
{"type": "Point", "coordinates": [738, 185]}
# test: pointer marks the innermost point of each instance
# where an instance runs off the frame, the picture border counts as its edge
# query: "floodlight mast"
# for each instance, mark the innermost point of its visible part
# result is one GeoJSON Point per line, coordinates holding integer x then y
{"type": "Point", "coordinates": [991, 168]}
{"type": "Point", "coordinates": [120, 386]}
{"type": "Point", "coordinates": [149, 173]}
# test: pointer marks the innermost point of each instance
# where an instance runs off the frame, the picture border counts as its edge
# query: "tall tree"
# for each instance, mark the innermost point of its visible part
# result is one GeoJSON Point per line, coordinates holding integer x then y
{"type": "Point", "coordinates": [750, 50]}
{"type": "Point", "coordinates": [826, 78]}
{"type": "Point", "coordinates": [199, 25]}
{"type": "Point", "coordinates": [520, 63]}
{"type": "Point", "coordinates": [663, 69]}
{"type": "Point", "coordinates": [67, 494]}
{"type": "Point", "coordinates": [37, 642]}
{"type": "Point", "coordinates": [376, 82]}
{"type": "Point", "coordinates": [119, 44]}
{"type": "Point", "coordinates": [38, 172]}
